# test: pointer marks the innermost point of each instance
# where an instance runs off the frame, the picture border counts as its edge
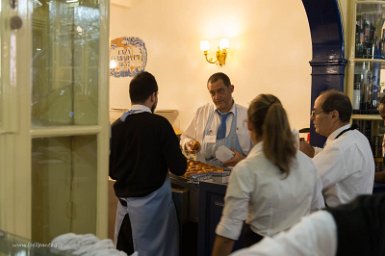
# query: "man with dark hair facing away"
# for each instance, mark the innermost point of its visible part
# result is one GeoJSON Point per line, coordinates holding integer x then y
{"type": "Point", "coordinates": [143, 149]}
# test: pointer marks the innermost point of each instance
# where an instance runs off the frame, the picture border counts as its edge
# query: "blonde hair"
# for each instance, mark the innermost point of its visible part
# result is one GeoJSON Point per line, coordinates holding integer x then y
{"type": "Point", "coordinates": [270, 122]}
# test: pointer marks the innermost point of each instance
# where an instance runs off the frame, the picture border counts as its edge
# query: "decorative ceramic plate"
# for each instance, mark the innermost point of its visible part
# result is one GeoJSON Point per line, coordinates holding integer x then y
{"type": "Point", "coordinates": [128, 56]}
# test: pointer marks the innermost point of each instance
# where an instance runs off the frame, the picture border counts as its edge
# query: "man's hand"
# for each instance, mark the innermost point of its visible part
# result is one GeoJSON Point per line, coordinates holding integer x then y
{"type": "Point", "coordinates": [306, 148]}
{"type": "Point", "coordinates": [192, 147]}
{"type": "Point", "coordinates": [234, 160]}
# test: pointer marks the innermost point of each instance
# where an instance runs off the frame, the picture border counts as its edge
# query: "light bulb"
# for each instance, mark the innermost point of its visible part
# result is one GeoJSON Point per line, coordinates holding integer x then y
{"type": "Point", "coordinates": [205, 45]}
{"type": "Point", "coordinates": [223, 44]}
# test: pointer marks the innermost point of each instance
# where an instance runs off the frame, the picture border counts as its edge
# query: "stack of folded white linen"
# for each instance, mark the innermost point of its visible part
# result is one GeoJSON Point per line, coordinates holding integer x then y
{"type": "Point", "coordinates": [84, 245]}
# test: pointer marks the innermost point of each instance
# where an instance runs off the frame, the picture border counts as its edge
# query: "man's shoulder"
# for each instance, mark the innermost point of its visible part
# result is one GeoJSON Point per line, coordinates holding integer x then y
{"type": "Point", "coordinates": [160, 119]}
{"type": "Point", "coordinates": [118, 122]}
{"type": "Point", "coordinates": [141, 118]}
{"type": "Point", "coordinates": [207, 106]}
{"type": "Point", "coordinates": [205, 109]}
{"type": "Point", "coordinates": [349, 140]}
{"type": "Point", "coordinates": [353, 137]}
{"type": "Point", "coordinates": [241, 108]}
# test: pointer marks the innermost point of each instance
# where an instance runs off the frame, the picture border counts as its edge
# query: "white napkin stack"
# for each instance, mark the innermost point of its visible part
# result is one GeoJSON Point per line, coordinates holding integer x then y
{"type": "Point", "coordinates": [84, 245]}
{"type": "Point", "coordinates": [223, 153]}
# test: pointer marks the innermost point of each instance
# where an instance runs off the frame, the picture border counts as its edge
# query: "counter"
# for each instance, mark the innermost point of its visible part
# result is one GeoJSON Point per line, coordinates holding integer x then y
{"type": "Point", "coordinates": [199, 207]}
{"type": "Point", "coordinates": [185, 195]}
{"type": "Point", "coordinates": [201, 204]}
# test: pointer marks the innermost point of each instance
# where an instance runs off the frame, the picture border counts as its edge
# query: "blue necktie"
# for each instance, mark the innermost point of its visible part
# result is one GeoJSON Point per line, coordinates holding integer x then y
{"type": "Point", "coordinates": [221, 133]}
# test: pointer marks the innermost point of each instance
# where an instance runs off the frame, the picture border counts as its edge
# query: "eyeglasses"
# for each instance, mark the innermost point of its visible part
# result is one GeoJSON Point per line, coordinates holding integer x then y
{"type": "Point", "coordinates": [313, 113]}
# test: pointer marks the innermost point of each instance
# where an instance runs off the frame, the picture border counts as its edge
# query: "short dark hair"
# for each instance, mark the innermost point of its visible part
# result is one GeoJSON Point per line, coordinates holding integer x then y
{"type": "Point", "coordinates": [336, 100]}
{"type": "Point", "coordinates": [219, 76]}
{"type": "Point", "coordinates": [142, 86]}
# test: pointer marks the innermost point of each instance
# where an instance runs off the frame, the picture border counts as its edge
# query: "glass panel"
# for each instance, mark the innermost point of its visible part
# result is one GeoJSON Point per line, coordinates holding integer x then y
{"type": "Point", "coordinates": [1, 65]}
{"type": "Point", "coordinates": [374, 131]}
{"type": "Point", "coordinates": [369, 86]}
{"type": "Point", "coordinates": [64, 178]}
{"type": "Point", "coordinates": [1, 77]}
{"type": "Point", "coordinates": [65, 36]}
{"type": "Point", "coordinates": [370, 28]}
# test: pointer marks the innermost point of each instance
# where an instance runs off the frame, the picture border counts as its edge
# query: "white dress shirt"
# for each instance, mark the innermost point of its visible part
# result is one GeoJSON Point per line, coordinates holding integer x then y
{"type": "Point", "coordinates": [270, 202]}
{"type": "Point", "coordinates": [345, 166]}
{"type": "Point", "coordinates": [198, 125]}
{"type": "Point", "coordinates": [314, 235]}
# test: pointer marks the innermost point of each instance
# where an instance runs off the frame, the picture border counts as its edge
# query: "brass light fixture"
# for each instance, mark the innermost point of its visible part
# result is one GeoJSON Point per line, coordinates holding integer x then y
{"type": "Point", "coordinates": [221, 53]}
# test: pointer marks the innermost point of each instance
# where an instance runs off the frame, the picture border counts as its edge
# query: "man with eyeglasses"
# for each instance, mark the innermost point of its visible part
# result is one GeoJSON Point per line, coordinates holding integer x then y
{"type": "Point", "coordinates": [345, 164]}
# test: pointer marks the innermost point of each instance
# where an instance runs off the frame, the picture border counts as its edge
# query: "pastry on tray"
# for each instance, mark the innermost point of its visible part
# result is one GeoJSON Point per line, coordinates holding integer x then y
{"type": "Point", "coordinates": [195, 168]}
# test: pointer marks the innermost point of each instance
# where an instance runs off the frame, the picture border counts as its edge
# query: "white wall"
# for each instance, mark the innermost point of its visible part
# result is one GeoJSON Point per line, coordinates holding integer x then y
{"type": "Point", "coordinates": [270, 51]}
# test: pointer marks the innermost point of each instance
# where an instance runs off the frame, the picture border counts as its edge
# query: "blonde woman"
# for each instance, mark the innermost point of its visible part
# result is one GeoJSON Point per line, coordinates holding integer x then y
{"type": "Point", "coordinates": [273, 187]}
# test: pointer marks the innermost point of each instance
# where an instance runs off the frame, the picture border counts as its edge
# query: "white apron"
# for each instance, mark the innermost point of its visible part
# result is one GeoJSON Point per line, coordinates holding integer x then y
{"type": "Point", "coordinates": [154, 222]}
{"type": "Point", "coordinates": [210, 146]}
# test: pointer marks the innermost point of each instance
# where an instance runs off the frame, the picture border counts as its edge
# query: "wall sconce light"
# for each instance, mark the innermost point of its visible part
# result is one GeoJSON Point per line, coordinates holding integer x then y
{"type": "Point", "coordinates": [221, 53]}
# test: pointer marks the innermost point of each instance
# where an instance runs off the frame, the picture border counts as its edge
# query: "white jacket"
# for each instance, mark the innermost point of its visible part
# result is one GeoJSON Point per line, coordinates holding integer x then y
{"type": "Point", "coordinates": [197, 126]}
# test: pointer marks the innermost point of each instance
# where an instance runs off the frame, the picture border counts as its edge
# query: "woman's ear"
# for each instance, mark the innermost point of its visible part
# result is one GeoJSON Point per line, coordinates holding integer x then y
{"type": "Point", "coordinates": [253, 135]}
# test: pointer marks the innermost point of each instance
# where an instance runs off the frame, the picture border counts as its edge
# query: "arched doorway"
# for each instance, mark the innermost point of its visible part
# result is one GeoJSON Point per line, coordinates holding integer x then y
{"type": "Point", "coordinates": [328, 61]}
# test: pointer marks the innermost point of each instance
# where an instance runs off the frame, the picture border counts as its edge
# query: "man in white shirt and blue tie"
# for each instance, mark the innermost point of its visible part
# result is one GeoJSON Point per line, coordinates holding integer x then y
{"type": "Point", "coordinates": [221, 122]}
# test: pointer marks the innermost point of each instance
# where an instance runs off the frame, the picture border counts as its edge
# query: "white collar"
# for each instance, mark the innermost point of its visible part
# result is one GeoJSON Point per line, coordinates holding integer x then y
{"type": "Point", "coordinates": [135, 109]}
{"type": "Point", "coordinates": [334, 134]}
{"type": "Point", "coordinates": [142, 108]}
{"type": "Point", "coordinates": [256, 148]}
{"type": "Point", "coordinates": [232, 109]}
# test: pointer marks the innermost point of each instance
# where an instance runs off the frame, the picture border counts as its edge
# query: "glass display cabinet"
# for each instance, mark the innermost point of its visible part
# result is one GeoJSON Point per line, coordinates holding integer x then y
{"type": "Point", "coordinates": [54, 127]}
{"type": "Point", "coordinates": [366, 74]}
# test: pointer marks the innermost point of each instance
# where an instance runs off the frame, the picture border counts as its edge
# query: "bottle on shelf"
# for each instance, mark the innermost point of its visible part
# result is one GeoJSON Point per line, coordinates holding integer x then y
{"type": "Point", "coordinates": [369, 64]}
{"type": "Point", "coordinates": [368, 37]}
{"type": "Point", "coordinates": [377, 48]}
{"type": "Point", "coordinates": [366, 88]}
{"type": "Point", "coordinates": [376, 88]}
{"type": "Point", "coordinates": [382, 44]}
{"type": "Point", "coordinates": [371, 130]}
{"type": "Point", "coordinates": [356, 102]}
{"type": "Point", "coordinates": [359, 40]}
